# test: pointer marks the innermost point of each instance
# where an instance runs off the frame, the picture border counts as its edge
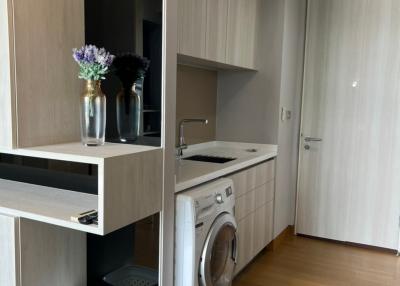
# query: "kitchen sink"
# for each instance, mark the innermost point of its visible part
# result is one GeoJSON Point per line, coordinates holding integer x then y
{"type": "Point", "coordinates": [209, 159]}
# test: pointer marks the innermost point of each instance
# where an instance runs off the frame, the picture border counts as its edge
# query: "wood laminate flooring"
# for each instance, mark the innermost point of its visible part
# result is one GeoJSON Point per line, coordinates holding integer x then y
{"type": "Point", "coordinates": [304, 261]}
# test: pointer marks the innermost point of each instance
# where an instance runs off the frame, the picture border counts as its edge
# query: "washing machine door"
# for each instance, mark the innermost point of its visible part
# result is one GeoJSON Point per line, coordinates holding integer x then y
{"type": "Point", "coordinates": [219, 256]}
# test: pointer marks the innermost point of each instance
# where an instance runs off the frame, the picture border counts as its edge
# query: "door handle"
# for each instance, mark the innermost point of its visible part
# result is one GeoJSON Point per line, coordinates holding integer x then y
{"type": "Point", "coordinates": [312, 139]}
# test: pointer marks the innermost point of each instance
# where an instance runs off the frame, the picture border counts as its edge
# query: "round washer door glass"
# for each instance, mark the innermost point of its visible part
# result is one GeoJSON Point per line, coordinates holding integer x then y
{"type": "Point", "coordinates": [219, 255]}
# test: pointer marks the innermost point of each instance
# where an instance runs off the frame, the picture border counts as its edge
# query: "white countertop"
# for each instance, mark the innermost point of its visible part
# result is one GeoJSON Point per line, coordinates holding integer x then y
{"type": "Point", "coordinates": [191, 173]}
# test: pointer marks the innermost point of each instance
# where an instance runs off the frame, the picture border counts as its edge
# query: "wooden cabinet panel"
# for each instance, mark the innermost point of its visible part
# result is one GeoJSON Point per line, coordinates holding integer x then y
{"type": "Point", "coordinates": [251, 178]}
{"type": "Point", "coordinates": [254, 210]}
{"type": "Point", "coordinates": [263, 222]}
{"type": "Point", "coordinates": [47, 87]}
{"type": "Point", "coordinates": [192, 25]}
{"type": "Point", "coordinates": [7, 101]}
{"type": "Point", "coordinates": [245, 205]}
{"type": "Point", "coordinates": [37, 254]}
{"type": "Point", "coordinates": [246, 238]}
{"type": "Point", "coordinates": [217, 17]}
{"type": "Point", "coordinates": [132, 188]}
{"type": "Point", "coordinates": [264, 193]}
{"type": "Point", "coordinates": [9, 258]}
{"type": "Point", "coordinates": [240, 183]}
{"type": "Point", "coordinates": [265, 172]}
{"type": "Point", "coordinates": [241, 32]}
{"type": "Point", "coordinates": [51, 255]}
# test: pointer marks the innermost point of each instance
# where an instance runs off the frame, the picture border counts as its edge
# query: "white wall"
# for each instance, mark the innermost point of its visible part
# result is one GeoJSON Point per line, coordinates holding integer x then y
{"type": "Point", "coordinates": [248, 105]}
{"type": "Point", "coordinates": [248, 102]}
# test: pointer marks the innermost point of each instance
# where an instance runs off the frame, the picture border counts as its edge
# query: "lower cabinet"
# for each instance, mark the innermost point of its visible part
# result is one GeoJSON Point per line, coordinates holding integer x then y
{"type": "Point", "coordinates": [263, 222]}
{"type": "Point", "coordinates": [245, 239]}
{"type": "Point", "coordinates": [254, 210]}
{"type": "Point", "coordinates": [37, 254]}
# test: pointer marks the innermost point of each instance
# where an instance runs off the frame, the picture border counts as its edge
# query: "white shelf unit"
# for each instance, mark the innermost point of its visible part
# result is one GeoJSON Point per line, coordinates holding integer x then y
{"type": "Point", "coordinates": [129, 187]}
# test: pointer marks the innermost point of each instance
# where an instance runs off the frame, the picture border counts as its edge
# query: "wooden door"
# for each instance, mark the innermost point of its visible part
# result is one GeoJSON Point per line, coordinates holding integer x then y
{"type": "Point", "coordinates": [348, 182]}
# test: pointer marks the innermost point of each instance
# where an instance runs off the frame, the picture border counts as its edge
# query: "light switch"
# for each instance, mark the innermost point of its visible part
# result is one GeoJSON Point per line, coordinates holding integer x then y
{"type": "Point", "coordinates": [285, 114]}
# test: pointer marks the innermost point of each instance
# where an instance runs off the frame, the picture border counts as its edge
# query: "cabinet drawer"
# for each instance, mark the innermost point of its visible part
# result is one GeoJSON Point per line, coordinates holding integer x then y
{"type": "Point", "coordinates": [264, 193]}
{"type": "Point", "coordinates": [239, 183]}
{"type": "Point", "coordinates": [264, 172]}
{"type": "Point", "coordinates": [245, 240]}
{"type": "Point", "coordinates": [245, 205]}
{"type": "Point", "coordinates": [263, 222]}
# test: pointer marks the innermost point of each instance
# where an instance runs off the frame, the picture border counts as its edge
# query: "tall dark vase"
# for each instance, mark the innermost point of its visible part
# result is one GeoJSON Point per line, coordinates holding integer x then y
{"type": "Point", "coordinates": [129, 112]}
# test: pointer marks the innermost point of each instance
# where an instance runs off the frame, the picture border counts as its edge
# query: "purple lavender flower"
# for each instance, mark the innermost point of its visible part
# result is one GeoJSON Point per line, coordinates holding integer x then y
{"type": "Point", "coordinates": [94, 63]}
{"type": "Point", "coordinates": [78, 55]}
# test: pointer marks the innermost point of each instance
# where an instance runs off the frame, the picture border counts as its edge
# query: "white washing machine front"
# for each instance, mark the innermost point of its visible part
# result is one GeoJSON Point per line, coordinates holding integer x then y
{"type": "Point", "coordinates": [206, 242]}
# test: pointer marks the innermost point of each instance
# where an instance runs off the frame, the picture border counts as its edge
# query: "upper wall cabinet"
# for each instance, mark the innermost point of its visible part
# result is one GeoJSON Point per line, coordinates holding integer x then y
{"type": "Point", "coordinates": [39, 91]}
{"type": "Point", "coordinates": [241, 36]}
{"type": "Point", "coordinates": [217, 16]}
{"type": "Point", "coordinates": [192, 27]}
{"type": "Point", "coordinates": [218, 31]}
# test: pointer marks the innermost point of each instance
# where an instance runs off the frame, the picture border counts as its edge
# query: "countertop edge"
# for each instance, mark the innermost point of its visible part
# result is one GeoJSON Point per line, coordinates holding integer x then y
{"type": "Point", "coordinates": [220, 173]}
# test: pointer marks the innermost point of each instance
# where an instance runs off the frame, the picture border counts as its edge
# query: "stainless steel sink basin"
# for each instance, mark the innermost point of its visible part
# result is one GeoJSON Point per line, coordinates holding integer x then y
{"type": "Point", "coordinates": [209, 159]}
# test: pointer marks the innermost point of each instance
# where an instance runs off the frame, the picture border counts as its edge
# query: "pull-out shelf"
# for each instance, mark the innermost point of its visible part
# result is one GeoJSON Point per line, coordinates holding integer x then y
{"type": "Point", "coordinates": [129, 187]}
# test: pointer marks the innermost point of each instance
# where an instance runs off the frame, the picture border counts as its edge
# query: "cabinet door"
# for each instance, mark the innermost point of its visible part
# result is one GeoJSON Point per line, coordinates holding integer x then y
{"type": "Point", "coordinates": [241, 33]}
{"type": "Point", "coordinates": [217, 17]}
{"type": "Point", "coordinates": [245, 239]}
{"type": "Point", "coordinates": [239, 183]}
{"type": "Point", "coordinates": [51, 255]}
{"type": "Point", "coordinates": [263, 222]}
{"type": "Point", "coordinates": [8, 251]}
{"type": "Point", "coordinates": [47, 88]}
{"type": "Point", "coordinates": [192, 18]}
{"type": "Point", "coordinates": [264, 193]}
{"type": "Point", "coordinates": [245, 205]}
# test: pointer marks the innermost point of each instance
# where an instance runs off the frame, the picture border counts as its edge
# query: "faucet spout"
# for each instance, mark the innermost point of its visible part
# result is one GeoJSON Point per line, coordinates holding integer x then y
{"type": "Point", "coordinates": [182, 144]}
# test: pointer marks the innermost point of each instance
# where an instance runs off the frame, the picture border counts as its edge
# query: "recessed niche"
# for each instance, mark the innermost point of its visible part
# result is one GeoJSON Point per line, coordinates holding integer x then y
{"type": "Point", "coordinates": [130, 26]}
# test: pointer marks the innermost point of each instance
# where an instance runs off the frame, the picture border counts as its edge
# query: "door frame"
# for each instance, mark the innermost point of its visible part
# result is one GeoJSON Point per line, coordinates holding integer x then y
{"type": "Point", "coordinates": [300, 134]}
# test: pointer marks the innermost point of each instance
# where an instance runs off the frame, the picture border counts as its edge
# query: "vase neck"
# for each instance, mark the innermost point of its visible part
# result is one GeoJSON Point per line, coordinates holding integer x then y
{"type": "Point", "coordinates": [92, 85]}
{"type": "Point", "coordinates": [129, 87]}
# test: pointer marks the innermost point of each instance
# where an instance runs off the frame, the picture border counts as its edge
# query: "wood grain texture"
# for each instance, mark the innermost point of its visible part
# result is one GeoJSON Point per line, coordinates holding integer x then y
{"type": "Point", "coordinates": [244, 205]}
{"type": "Point", "coordinates": [45, 204]}
{"type": "Point", "coordinates": [132, 188]}
{"type": "Point", "coordinates": [348, 188]}
{"type": "Point", "coordinates": [245, 239]}
{"type": "Point", "coordinates": [263, 227]}
{"type": "Point", "coordinates": [241, 33]}
{"type": "Point", "coordinates": [254, 210]}
{"type": "Point", "coordinates": [264, 194]}
{"type": "Point", "coordinates": [167, 216]}
{"type": "Point", "coordinates": [216, 32]}
{"type": "Point", "coordinates": [240, 183]}
{"type": "Point", "coordinates": [47, 87]}
{"type": "Point", "coordinates": [307, 262]}
{"type": "Point", "coordinates": [51, 255]}
{"type": "Point", "coordinates": [9, 249]}
{"type": "Point", "coordinates": [192, 26]}
{"type": "Point", "coordinates": [7, 96]}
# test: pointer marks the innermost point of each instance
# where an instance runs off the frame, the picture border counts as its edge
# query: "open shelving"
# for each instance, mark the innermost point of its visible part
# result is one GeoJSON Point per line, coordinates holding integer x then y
{"type": "Point", "coordinates": [127, 186]}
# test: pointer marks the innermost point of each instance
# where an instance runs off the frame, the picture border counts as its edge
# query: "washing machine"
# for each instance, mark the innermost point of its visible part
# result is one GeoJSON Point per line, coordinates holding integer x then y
{"type": "Point", "coordinates": [206, 235]}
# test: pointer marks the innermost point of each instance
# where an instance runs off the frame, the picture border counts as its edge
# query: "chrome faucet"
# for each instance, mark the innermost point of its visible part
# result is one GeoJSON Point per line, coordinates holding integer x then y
{"type": "Point", "coordinates": [182, 144]}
